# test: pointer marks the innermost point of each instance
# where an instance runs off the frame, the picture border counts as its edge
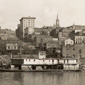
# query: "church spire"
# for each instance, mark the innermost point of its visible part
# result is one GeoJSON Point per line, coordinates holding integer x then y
{"type": "Point", "coordinates": [73, 26]}
{"type": "Point", "coordinates": [57, 21]}
{"type": "Point", "coordinates": [57, 17]}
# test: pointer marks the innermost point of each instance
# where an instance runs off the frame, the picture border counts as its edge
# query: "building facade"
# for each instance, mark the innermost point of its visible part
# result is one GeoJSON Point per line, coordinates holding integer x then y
{"type": "Point", "coordinates": [27, 22]}
{"type": "Point", "coordinates": [38, 31]}
{"type": "Point", "coordinates": [79, 39]}
{"type": "Point", "coordinates": [42, 39]}
{"type": "Point", "coordinates": [68, 42]}
{"type": "Point", "coordinates": [51, 45]}
{"type": "Point", "coordinates": [12, 46]}
{"type": "Point", "coordinates": [28, 30]}
{"type": "Point", "coordinates": [75, 51]}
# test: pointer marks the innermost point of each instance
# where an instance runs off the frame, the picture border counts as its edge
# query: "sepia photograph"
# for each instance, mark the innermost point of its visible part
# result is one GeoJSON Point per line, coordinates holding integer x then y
{"type": "Point", "coordinates": [42, 42]}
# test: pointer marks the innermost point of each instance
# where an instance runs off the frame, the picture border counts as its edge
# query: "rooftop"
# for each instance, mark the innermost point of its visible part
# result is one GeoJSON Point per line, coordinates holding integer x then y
{"type": "Point", "coordinates": [78, 27]}
{"type": "Point", "coordinates": [27, 18]}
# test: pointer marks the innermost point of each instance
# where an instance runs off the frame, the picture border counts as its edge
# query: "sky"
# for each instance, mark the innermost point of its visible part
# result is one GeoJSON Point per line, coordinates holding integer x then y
{"type": "Point", "coordinates": [45, 11]}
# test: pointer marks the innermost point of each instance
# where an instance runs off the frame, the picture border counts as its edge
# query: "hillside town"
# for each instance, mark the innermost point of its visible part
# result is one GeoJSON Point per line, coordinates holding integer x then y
{"type": "Point", "coordinates": [61, 41]}
{"type": "Point", "coordinates": [56, 41]}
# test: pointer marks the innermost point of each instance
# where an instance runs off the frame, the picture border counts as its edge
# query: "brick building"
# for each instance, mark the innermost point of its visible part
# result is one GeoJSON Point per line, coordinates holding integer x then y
{"type": "Point", "coordinates": [42, 39]}
{"type": "Point", "coordinates": [38, 31]}
{"type": "Point", "coordinates": [47, 30]}
{"type": "Point", "coordinates": [51, 45]}
{"type": "Point", "coordinates": [65, 31]}
{"type": "Point", "coordinates": [61, 40]}
{"type": "Point", "coordinates": [77, 51]}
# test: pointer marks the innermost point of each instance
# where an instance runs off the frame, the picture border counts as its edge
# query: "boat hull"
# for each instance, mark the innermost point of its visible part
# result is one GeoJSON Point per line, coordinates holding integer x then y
{"type": "Point", "coordinates": [9, 70]}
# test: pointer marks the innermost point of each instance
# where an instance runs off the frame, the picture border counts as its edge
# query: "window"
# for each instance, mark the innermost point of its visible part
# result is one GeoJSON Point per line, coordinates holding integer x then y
{"type": "Point", "coordinates": [73, 48]}
{"type": "Point", "coordinates": [67, 49]}
{"type": "Point", "coordinates": [80, 51]}
{"type": "Point", "coordinates": [80, 56]}
{"type": "Point", "coordinates": [14, 47]}
{"type": "Point", "coordinates": [8, 47]}
{"type": "Point", "coordinates": [67, 55]}
{"type": "Point", "coordinates": [74, 55]}
{"type": "Point", "coordinates": [52, 60]}
{"type": "Point", "coordinates": [48, 44]}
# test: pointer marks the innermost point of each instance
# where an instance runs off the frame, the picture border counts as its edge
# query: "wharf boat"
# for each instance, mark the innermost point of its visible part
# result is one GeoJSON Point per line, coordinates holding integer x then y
{"type": "Point", "coordinates": [44, 64]}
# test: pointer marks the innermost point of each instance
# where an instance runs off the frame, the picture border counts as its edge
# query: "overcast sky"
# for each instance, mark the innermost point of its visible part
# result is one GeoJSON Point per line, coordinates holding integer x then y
{"type": "Point", "coordinates": [45, 11]}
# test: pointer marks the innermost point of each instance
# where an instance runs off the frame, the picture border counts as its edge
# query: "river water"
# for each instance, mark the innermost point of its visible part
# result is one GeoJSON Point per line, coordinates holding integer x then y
{"type": "Point", "coordinates": [42, 78]}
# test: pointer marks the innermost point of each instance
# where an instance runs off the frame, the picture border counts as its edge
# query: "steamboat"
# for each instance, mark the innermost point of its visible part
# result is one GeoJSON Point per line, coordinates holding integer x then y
{"type": "Point", "coordinates": [43, 64]}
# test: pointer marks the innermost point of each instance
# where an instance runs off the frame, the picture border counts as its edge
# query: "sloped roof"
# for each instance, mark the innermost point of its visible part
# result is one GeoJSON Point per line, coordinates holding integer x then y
{"type": "Point", "coordinates": [77, 27]}
{"type": "Point", "coordinates": [13, 38]}
{"type": "Point", "coordinates": [38, 29]}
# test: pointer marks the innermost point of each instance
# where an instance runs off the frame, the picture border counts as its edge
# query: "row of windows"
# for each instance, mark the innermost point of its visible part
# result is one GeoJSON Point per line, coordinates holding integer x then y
{"type": "Point", "coordinates": [79, 41]}
{"type": "Point", "coordinates": [51, 45]}
{"type": "Point", "coordinates": [74, 49]}
{"type": "Point", "coordinates": [69, 49]}
{"type": "Point", "coordinates": [73, 55]}
{"type": "Point", "coordinates": [79, 38]}
{"type": "Point", "coordinates": [45, 39]}
{"type": "Point", "coordinates": [11, 44]}
{"type": "Point", "coordinates": [28, 20]}
{"type": "Point", "coordinates": [68, 42]}
{"type": "Point", "coordinates": [28, 26]}
{"type": "Point", "coordinates": [11, 47]}
{"type": "Point", "coordinates": [53, 60]}
{"type": "Point", "coordinates": [28, 23]}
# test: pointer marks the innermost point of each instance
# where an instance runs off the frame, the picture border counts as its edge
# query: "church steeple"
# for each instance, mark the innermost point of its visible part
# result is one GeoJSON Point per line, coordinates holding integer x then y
{"type": "Point", "coordinates": [73, 26]}
{"type": "Point", "coordinates": [57, 17]}
{"type": "Point", "coordinates": [57, 21]}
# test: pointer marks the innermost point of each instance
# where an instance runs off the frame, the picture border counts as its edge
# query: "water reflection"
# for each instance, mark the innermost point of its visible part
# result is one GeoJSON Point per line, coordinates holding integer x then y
{"type": "Point", "coordinates": [42, 78]}
{"type": "Point", "coordinates": [18, 76]}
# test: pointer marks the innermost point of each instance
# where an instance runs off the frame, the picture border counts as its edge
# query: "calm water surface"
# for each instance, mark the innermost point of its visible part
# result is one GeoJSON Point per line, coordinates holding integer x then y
{"type": "Point", "coordinates": [42, 78]}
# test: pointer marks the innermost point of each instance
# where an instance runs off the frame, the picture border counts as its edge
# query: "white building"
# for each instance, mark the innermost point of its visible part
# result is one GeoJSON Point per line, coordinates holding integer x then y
{"type": "Point", "coordinates": [11, 46]}
{"type": "Point", "coordinates": [69, 42]}
{"type": "Point", "coordinates": [55, 39]}
{"type": "Point", "coordinates": [79, 39]}
{"type": "Point", "coordinates": [42, 54]}
{"type": "Point", "coordinates": [27, 22]}
{"type": "Point", "coordinates": [77, 31]}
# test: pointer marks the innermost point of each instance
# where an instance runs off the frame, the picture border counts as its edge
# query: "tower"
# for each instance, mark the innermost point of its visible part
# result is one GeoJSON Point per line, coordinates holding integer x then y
{"type": "Point", "coordinates": [57, 22]}
{"type": "Point", "coordinates": [73, 26]}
